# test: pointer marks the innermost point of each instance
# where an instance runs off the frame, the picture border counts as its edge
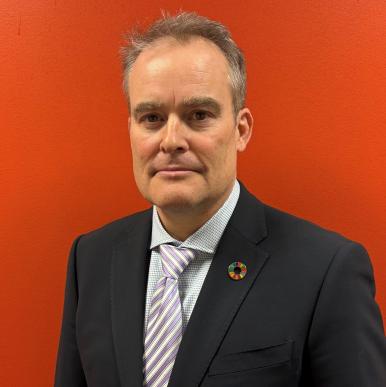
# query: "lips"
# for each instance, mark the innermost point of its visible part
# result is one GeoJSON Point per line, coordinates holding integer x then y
{"type": "Point", "coordinates": [174, 169]}
{"type": "Point", "coordinates": [174, 172]}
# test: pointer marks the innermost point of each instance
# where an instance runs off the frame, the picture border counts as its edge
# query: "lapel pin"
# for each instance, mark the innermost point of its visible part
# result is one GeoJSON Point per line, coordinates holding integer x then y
{"type": "Point", "coordinates": [237, 270]}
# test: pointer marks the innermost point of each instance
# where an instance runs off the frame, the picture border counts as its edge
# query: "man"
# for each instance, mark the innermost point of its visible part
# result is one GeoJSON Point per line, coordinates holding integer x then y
{"type": "Point", "coordinates": [210, 287]}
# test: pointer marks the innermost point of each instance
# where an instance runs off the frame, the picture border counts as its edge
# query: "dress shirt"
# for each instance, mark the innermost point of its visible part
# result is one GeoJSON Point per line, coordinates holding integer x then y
{"type": "Point", "coordinates": [204, 243]}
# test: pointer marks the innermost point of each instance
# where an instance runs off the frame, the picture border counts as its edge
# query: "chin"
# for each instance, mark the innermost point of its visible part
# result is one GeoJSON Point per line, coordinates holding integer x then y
{"type": "Point", "coordinates": [178, 193]}
{"type": "Point", "coordinates": [174, 201]}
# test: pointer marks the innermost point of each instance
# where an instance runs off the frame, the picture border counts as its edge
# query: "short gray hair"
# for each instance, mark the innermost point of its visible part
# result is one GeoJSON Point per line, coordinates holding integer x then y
{"type": "Point", "coordinates": [183, 27]}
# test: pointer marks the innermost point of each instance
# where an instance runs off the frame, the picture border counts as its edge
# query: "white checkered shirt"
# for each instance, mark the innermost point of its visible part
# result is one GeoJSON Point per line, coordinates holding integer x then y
{"type": "Point", "coordinates": [204, 243]}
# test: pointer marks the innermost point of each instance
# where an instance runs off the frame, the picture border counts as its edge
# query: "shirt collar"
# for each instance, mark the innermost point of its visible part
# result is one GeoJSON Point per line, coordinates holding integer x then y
{"type": "Point", "coordinates": [207, 237]}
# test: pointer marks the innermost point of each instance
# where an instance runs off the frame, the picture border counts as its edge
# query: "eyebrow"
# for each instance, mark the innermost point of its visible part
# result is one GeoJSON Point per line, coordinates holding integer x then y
{"type": "Point", "coordinates": [193, 102]}
{"type": "Point", "coordinates": [207, 102]}
{"type": "Point", "coordinates": [144, 107]}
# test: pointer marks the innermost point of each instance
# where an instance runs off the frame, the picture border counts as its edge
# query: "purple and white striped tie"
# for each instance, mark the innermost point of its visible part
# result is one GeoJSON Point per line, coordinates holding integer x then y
{"type": "Point", "coordinates": [164, 326]}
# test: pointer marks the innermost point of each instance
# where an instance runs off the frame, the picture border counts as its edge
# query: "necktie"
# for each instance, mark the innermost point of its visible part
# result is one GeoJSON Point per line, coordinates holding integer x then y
{"type": "Point", "coordinates": [164, 326]}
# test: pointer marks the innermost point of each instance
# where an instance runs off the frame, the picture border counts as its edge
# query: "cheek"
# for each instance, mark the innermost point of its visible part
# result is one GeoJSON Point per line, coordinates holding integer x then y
{"type": "Point", "coordinates": [142, 148]}
{"type": "Point", "coordinates": [217, 153]}
{"type": "Point", "coordinates": [223, 147]}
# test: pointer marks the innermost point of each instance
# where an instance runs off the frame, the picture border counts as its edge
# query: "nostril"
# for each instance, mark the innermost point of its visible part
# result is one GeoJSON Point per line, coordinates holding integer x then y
{"type": "Point", "coordinates": [174, 144]}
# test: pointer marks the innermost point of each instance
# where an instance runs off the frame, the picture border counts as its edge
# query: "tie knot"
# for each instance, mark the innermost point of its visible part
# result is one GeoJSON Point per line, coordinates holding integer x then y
{"type": "Point", "coordinates": [175, 259]}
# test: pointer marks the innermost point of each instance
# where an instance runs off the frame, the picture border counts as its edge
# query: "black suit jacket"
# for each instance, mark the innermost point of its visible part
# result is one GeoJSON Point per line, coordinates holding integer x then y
{"type": "Point", "coordinates": [304, 315]}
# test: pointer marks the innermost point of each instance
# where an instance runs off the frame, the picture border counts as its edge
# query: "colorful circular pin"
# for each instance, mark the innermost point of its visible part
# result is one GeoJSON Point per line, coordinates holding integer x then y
{"type": "Point", "coordinates": [237, 270]}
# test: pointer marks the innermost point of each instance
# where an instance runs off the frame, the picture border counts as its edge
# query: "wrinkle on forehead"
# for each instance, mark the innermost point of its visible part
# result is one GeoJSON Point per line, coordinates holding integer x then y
{"type": "Point", "coordinates": [171, 70]}
{"type": "Point", "coordinates": [156, 56]}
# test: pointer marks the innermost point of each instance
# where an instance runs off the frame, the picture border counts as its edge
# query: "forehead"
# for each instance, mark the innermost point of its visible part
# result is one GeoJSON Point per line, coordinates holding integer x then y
{"type": "Point", "coordinates": [177, 70]}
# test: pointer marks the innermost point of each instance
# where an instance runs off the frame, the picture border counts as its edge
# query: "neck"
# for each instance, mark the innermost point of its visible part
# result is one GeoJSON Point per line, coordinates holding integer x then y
{"type": "Point", "coordinates": [181, 223]}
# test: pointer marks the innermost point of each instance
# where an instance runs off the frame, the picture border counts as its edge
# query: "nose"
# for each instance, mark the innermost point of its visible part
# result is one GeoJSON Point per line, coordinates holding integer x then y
{"type": "Point", "coordinates": [174, 136]}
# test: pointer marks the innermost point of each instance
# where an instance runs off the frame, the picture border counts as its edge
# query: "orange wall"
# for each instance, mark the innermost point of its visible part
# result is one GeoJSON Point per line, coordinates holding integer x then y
{"type": "Point", "coordinates": [317, 88]}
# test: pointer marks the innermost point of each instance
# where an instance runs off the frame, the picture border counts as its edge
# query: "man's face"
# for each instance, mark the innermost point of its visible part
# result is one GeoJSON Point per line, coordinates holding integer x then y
{"type": "Point", "coordinates": [184, 136]}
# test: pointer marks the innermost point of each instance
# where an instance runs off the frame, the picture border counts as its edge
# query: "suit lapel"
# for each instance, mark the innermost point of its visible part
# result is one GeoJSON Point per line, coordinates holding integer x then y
{"type": "Point", "coordinates": [219, 300]}
{"type": "Point", "coordinates": [221, 297]}
{"type": "Point", "coordinates": [129, 272]}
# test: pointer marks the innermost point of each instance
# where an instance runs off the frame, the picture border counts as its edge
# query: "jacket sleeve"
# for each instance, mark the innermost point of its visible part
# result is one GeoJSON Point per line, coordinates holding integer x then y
{"type": "Point", "coordinates": [69, 372]}
{"type": "Point", "coordinates": [347, 345]}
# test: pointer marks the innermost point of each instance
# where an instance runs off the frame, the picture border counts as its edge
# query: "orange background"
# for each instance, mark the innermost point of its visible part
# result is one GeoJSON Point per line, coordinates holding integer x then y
{"type": "Point", "coordinates": [317, 88]}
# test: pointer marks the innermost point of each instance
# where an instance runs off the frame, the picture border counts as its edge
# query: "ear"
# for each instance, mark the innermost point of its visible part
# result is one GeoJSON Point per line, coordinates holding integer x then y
{"type": "Point", "coordinates": [244, 124]}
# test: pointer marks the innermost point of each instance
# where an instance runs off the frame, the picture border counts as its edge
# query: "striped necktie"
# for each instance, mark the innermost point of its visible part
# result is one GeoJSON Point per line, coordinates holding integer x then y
{"type": "Point", "coordinates": [164, 326]}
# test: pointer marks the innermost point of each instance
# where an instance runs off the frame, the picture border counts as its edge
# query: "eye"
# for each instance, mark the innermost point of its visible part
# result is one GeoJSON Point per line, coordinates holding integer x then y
{"type": "Point", "coordinates": [151, 118]}
{"type": "Point", "coordinates": [200, 115]}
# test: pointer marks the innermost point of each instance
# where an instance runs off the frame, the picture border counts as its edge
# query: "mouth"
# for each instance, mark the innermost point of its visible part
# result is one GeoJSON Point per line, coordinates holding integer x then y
{"type": "Point", "coordinates": [174, 172]}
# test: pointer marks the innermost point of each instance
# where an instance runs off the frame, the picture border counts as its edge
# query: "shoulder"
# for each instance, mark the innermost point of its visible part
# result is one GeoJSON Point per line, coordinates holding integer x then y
{"type": "Point", "coordinates": [306, 245]}
{"type": "Point", "coordinates": [114, 231]}
{"type": "Point", "coordinates": [288, 226]}
{"type": "Point", "coordinates": [280, 228]}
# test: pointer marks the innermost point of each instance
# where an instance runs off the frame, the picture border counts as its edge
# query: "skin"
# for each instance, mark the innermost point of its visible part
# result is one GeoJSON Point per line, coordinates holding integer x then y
{"type": "Point", "coordinates": [183, 131]}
